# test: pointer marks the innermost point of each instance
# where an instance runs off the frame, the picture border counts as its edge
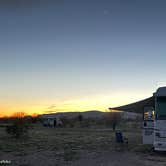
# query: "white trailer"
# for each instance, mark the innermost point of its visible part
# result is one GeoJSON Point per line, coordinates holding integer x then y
{"type": "Point", "coordinates": [154, 118]}
{"type": "Point", "coordinates": [160, 120]}
{"type": "Point", "coordinates": [154, 125]}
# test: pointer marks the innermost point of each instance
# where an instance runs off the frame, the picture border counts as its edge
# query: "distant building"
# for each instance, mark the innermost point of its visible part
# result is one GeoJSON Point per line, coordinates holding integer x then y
{"type": "Point", "coordinates": [50, 120]}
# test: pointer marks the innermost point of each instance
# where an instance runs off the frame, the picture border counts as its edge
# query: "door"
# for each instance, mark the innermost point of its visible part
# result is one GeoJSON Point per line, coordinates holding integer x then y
{"type": "Point", "coordinates": [148, 125]}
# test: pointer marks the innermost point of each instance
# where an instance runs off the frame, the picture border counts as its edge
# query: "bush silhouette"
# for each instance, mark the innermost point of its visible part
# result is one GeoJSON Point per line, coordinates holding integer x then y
{"type": "Point", "coordinates": [19, 126]}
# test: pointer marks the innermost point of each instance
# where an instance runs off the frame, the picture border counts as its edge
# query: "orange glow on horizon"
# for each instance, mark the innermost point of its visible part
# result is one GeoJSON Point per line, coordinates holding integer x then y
{"type": "Point", "coordinates": [81, 104]}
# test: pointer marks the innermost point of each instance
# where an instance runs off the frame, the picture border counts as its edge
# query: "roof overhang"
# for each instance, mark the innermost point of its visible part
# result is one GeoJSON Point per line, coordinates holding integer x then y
{"type": "Point", "coordinates": [137, 107]}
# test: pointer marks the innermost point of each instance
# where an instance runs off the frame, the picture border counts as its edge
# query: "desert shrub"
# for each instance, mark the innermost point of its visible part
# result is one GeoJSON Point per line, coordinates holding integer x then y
{"type": "Point", "coordinates": [19, 126]}
{"type": "Point", "coordinates": [16, 130]}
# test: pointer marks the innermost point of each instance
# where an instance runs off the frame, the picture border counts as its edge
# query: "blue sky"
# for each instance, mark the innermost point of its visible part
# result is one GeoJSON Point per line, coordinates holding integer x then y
{"type": "Point", "coordinates": [61, 51]}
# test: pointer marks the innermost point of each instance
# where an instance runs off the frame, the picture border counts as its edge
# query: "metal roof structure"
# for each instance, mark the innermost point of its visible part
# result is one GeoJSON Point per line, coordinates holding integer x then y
{"type": "Point", "coordinates": [137, 107]}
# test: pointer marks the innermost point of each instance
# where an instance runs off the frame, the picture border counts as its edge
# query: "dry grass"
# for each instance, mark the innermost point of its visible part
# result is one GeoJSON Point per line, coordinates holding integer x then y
{"type": "Point", "coordinates": [61, 145]}
{"type": "Point", "coordinates": [42, 139]}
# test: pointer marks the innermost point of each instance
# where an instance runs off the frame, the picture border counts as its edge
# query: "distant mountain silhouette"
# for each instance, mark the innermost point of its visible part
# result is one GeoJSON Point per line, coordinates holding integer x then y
{"type": "Point", "coordinates": [88, 114]}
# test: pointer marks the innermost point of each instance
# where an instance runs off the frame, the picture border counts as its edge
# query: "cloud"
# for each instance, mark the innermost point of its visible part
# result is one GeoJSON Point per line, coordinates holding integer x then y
{"type": "Point", "coordinates": [56, 108]}
{"type": "Point", "coordinates": [51, 107]}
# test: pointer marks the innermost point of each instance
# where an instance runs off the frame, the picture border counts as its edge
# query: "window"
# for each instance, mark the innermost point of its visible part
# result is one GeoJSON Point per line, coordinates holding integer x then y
{"type": "Point", "coordinates": [149, 113]}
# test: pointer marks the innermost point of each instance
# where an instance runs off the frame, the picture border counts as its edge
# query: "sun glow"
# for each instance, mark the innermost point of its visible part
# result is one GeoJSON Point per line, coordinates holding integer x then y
{"type": "Point", "coordinates": [72, 104]}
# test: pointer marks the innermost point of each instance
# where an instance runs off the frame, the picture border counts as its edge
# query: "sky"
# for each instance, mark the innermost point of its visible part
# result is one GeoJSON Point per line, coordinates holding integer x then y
{"type": "Point", "coordinates": [80, 55]}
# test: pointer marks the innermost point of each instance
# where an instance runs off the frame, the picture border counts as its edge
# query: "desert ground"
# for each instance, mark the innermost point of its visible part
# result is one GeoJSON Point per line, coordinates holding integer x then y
{"type": "Point", "coordinates": [77, 147]}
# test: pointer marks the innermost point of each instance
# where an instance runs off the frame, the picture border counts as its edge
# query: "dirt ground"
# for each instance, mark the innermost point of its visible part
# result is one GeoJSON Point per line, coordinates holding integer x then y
{"type": "Point", "coordinates": [77, 147]}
